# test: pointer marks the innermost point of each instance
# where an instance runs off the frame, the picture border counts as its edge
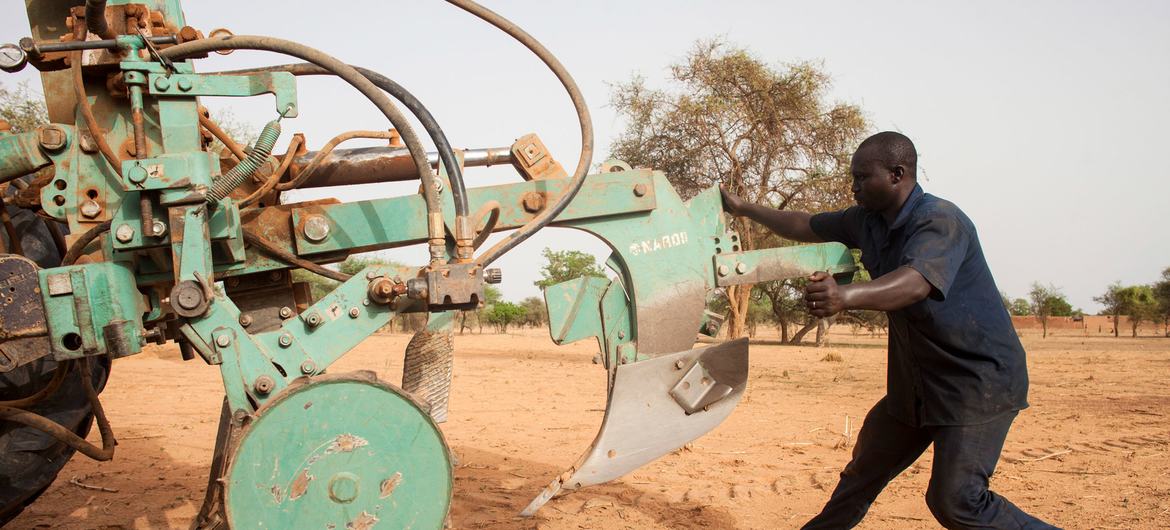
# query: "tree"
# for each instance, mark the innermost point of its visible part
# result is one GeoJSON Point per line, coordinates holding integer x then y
{"type": "Point", "coordinates": [1111, 299]}
{"type": "Point", "coordinates": [23, 109]}
{"type": "Point", "coordinates": [504, 313]}
{"type": "Point", "coordinates": [1045, 301]}
{"type": "Point", "coordinates": [1020, 308]}
{"type": "Point", "coordinates": [564, 265]}
{"type": "Point", "coordinates": [491, 296]}
{"type": "Point", "coordinates": [534, 311]}
{"type": "Point", "coordinates": [767, 134]}
{"type": "Point", "coordinates": [1135, 301]}
{"type": "Point", "coordinates": [1162, 295]}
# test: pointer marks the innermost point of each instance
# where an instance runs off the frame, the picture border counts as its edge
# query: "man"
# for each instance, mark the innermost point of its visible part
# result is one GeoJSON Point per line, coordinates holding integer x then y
{"type": "Point", "coordinates": [956, 376]}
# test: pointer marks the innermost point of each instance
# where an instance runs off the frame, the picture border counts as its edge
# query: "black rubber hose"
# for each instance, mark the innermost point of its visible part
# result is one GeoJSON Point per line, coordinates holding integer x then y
{"type": "Point", "coordinates": [95, 19]}
{"type": "Point", "coordinates": [86, 238]}
{"type": "Point", "coordinates": [350, 75]}
{"type": "Point", "coordinates": [420, 111]}
{"type": "Point", "coordinates": [546, 217]}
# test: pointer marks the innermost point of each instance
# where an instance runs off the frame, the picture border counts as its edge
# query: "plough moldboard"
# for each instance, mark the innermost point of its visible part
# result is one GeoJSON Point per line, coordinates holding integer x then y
{"type": "Point", "coordinates": [131, 225]}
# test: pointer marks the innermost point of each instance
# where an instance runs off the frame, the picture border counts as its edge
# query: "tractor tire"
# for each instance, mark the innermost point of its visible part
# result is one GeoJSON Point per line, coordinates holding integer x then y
{"type": "Point", "coordinates": [30, 459]}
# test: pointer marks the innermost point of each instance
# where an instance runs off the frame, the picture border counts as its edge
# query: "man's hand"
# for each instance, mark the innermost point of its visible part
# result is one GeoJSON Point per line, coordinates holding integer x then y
{"type": "Point", "coordinates": [822, 296]}
{"type": "Point", "coordinates": [732, 204]}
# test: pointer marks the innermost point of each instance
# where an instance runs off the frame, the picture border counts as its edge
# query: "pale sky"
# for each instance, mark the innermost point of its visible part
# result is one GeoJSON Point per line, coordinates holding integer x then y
{"type": "Point", "coordinates": [1042, 120]}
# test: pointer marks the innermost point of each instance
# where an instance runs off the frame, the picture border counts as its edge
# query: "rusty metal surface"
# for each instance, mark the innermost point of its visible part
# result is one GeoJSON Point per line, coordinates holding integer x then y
{"type": "Point", "coordinates": [370, 165]}
{"type": "Point", "coordinates": [21, 312]}
{"type": "Point", "coordinates": [263, 299]}
{"type": "Point", "coordinates": [531, 158]}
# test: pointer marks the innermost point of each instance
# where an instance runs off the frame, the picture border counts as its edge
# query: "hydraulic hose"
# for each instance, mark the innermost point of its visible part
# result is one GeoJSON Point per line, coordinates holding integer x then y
{"type": "Point", "coordinates": [436, 233]}
{"type": "Point", "coordinates": [95, 19]}
{"type": "Point", "coordinates": [578, 178]}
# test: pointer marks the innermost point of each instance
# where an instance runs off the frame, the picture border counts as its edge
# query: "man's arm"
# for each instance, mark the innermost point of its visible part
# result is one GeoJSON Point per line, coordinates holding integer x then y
{"type": "Point", "coordinates": [890, 292]}
{"type": "Point", "coordinates": [789, 225]}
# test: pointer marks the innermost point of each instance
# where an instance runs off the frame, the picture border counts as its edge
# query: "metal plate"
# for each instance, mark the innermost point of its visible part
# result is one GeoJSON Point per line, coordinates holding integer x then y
{"type": "Point", "coordinates": [644, 422]}
{"type": "Point", "coordinates": [340, 451]}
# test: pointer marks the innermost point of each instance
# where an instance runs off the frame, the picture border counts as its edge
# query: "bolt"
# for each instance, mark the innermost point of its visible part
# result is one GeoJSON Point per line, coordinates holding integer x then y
{"type": "Point", "coordinates": [124, 233]}
{"type": "Point", "coordinates": [679, 364]}
{"type": "Point", "coordinates": [493, 275]}
{"type": "Point", "coordinates": [137, 174]}
{"type": "Point", "coordinates": [354, 312]}
{"type": "Point", "coordinates": [190, 296]}
{"type": "Point", "coordinates": [160, 228]}
{"type": "Point", "coordinates": [245, 320]}
{"type": "Point", "coordinates": [184, 84]}
{"type": "Point", "coordinates": [639, 190]}
{"type": "Point", "coordinates": [223, 340]}
{"type": "Point", "coordinates": [533, 202]}
{"type": "Point", "coordinates": [285, 312]}
{"type": "Point", "coordinates": [313, 320]}
{"type": "Point", "coordinates": [382, 290]}
{"type": "Point", "coordinates": [285, 340]}
{"type": "Point", "coordinates": [316, 228]}
{"type": "Point", "coordinates": [263, 384]}
{"type": "Point", "coordinates": [741, 267]}
{"type": "Point", "coordinates": [52, 137]}
{"type": "Point", "coordinates": [723, 270]}
{"type": "Point", "coordinates": [308, 367]}
{"type": "Point", "coordinates": [275, 276]}
{"type": "Point", "coordinates": [162, 84]}
{"type": "Point", "coordinates": [621, 334]}
{"type": "Point", "coordinates": [90, 209]}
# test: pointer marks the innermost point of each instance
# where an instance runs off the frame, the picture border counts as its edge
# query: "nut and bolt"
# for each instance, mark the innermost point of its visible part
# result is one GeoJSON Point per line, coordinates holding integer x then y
{"type": "Point", "coordinates": [533, 202]}
{"type": "Point", "coordinates": [285, 340]}
{"type": "Point", "coordinates": [223, 340]}
{"type": "Point", "coordinates": [679, 364]}
{"type": "Point", "coordinates": [189, 296]}
{"type": "Point", "coordinates": [245, 320]}
{"type": "Point", "coordinates": [639, 190]}
{"type": "Point", "coordinates": [316, 228]}
{"type": "Point", "coordinates": [493, 276]}
{"type": "Point", "coordinates": [313, 319]}
{"type": "Point", "coordinates": [184, 84]}
{"type": "Point", "coordinates": [52, 137]}
{"type": "Point", "coordinates": [137, 174]}
{"type": "Point", "coordinates": [724, 270]}
{"type": "Point", "coordinates": [308, 367]}
{"type": "Point", "coordinates": [160, 228]}
{"type": "Point", "coordinates": [285, 312]}
{"type": "Point", "coordinates": [384, 290]}
{"type": "Point", "coordinates": [162, 83]}
{"type": "Point", "coordinates": [741, 268]}
{"type": "Point", "coordinates": [124, 233]}
{"type": "Point", "coordinates": [354, 312]}
{"type": "Point", "coordinates": [90, 209]}
{"type": "Point", "coordinates": [275, 276]}
{"type": "Point", "coordinates": [621, 334]}
{"type": "Point", "coordinates": [263, 384]}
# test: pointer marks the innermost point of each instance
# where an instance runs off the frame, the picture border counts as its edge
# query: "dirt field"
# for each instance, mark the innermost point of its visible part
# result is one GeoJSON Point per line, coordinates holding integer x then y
{"type": "Point", "coordinates": [1091, 452]}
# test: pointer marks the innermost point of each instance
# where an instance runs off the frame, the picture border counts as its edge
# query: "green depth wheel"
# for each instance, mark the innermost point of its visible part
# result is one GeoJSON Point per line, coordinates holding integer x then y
{"type": "Point", "coordinates": [340, 451]}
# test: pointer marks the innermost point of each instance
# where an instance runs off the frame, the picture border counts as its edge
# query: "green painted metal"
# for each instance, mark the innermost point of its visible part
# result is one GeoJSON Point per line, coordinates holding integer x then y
{"type": "Point", "coordinates": [20, 154]}
{"type": "Point", "coordinates": [340, 452]}
{"type": "Point", "coordinates": [280, 84]}
{"type": "Point", "coordinates": [755, 266]}
{"type": "Point", "coordinates": [82, 301]}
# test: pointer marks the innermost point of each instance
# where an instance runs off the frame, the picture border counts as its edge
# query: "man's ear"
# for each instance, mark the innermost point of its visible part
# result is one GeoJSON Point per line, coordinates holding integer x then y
{"type": "Point", "coordinates": [897, 173]}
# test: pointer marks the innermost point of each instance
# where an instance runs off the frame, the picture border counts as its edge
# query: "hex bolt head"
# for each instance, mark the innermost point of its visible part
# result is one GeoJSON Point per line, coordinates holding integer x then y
{"type": "Point", "coordinates": [316, 228]}
{"type": "Point", "coordinates": [124, 233]}
{"type": "Point", "coordinates": [533, 202]}
{"type": "Point", "coordinates": [741, 267]}
{"type": "Point", "coordinates": [90, 209]}
{"type": "Point", "coordinates": [285, 340]}
{"type": "Point", "coordinates": [285, 312]}
{"type": "Point", "coordinates": [640, 190]}
{"type": "Point", "coordinates": [245, 320]}
{"type": "Point", "coordinates": [223, 340]}
{"type": "Point", "coordinates": [263, 384]}
{"type": "Point", "coordinates": [160, 228]}
{"type": "Point", "coordinates": [308, 367]}
{"type": "Point", "coordinates": [162, 84]}
{"type": "Point", "coordinates": [354, 312]}
{"type": "Point", "coordinates": [52, 137]}
{"type": "Point", "coordinates": [723, 270]}
{"type": "Point", "coordinates": [313, 319]}
{"type": "Point", "coordinates": [184, 84]}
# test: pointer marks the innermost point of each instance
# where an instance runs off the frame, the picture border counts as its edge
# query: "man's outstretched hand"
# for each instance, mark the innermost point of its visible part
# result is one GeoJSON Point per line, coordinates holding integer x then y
{"type": "Point", "coordinates": [822, 296]}
{"type": "Point", "coordinates": [732, 204]}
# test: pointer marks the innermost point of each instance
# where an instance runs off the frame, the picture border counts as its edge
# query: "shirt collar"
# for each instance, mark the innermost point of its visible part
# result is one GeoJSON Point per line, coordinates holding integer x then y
{"type": "Point", "coordinates": [907, 207]}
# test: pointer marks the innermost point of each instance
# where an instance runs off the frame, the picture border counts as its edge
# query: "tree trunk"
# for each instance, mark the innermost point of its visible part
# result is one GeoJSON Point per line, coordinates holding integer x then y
{"type": "Point", "coordinates": [1116, 324]}
{"type": "Point", "coordinates": [1044, 326]}
{"type": "Point", "coordinates": [783, 325]}
{"type": "Point", "coordinates": [1133, 322]}
{"type": "Point", "coordinates": [738, 299]}
{"type": "Point", "coordinates": [799, 336]}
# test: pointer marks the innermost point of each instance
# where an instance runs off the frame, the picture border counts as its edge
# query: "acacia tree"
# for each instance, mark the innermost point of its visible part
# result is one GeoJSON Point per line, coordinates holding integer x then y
{"type": "Point", "coordinates": [1046, 301]}
{"type": "Point", "coordinates": [1135, 301]}
{"type": "Point", "coordinates": [1162, 296]}
{"type": "Point", "coordinates": [768, 134]}
{"type": "Point", "coordinates": [564, 265]}
{"type": "Point", "coordinates": [23, 109]}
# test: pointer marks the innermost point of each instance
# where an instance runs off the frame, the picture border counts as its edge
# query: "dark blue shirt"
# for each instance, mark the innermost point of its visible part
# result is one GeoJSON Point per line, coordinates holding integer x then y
{"type": "Point", "coordinates": [955, 358]}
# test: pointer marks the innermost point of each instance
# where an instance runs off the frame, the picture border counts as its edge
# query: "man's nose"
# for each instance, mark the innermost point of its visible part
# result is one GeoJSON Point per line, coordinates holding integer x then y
{"type": "Point", "coordinates": [856, 186]}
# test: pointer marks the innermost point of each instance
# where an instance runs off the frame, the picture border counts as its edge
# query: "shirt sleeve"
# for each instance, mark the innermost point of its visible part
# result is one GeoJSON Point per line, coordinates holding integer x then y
{"type": "Point", "coordinates": [936, 246]}
{"type": "Point", "coordinates": [842, 226]}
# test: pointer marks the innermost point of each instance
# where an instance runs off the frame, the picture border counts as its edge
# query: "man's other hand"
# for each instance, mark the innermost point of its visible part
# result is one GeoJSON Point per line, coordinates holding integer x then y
{"type": "Point", "coordinates": [732, 204]}
{"type": "Point", "coordinates": [822, 296]}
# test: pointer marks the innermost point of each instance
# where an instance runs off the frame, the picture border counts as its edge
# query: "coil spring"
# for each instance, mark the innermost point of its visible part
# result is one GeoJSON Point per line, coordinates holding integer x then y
{"type": "Point", "coordinates": [231, 180]}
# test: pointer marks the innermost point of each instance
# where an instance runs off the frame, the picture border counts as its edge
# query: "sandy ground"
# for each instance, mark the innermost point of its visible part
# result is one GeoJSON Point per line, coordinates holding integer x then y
{"type": "Point", "coordinates": [1091, 452]}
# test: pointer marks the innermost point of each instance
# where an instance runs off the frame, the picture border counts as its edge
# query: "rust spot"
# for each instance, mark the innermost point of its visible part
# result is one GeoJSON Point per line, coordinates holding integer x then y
{"type": "Point", "coordinates": [365, 521]}
{"type": "Point", "coordinates": [300, 485]}
{"type": "Point", "coordinates": [389, 484]}
{"type": "Point", "coordinates": [308, 404]}
{"type": "Point", "coordinates": [277, 494]}
{"type": "Point", "coordinates": [346, 443]}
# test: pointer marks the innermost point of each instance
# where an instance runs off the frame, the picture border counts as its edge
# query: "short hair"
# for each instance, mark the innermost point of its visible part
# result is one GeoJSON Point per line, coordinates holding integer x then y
{"type": "Point", "coordinates": [892, 149]}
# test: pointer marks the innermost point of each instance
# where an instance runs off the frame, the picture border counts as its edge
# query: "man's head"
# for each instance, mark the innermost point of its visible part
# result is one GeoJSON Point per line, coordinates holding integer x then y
{"type": "Point", "coordinates": [884, 170]}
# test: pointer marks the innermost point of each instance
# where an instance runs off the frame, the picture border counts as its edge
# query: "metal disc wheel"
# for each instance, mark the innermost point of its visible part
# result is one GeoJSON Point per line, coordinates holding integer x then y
{"type": "Point", "coordinates": [340, 451]}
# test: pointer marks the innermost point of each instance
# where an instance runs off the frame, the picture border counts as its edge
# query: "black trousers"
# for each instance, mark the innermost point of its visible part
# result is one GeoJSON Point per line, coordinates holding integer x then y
{"type": "Point", "coordinates": [964, 458]}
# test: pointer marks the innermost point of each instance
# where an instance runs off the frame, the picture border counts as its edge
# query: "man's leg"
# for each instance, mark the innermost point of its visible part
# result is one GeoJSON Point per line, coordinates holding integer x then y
{"type": "Point", "coordinates": [885, 447]}
{"type": "Point", "coordinates": [964, 459]}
